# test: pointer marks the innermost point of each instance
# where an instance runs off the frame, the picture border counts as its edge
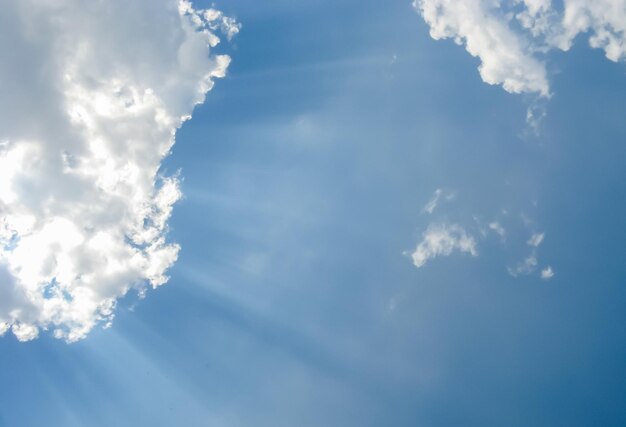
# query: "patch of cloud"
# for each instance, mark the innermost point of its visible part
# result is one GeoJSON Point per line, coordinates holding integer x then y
{"type": "Point", "coordinates": [483, 28]}
{"type": "Point", "coordinates": [450, 232]}
{"type": "Point", "coordinates": [438, 195]}
{"type": "Point", "coordinates": [442, 240]}
{"type": "Point", "coordinates": [547, 273]}
{"type": "Point", "coordinates": [527, 266]}
{"type": "Point", "coordinates": [510, 37]}
{"type": "Point", "coordinates": [217, 21]}
{"type": "Point", "coordinates": [497, 228]}
{"type": "Point", "coordinates": [535, 113]}
{"type": "Point", "coordinates": [530, 263]}
{"type": "Point", "coordinates": [536, 239]}
{"type": "Point", "coordinates": [93, 93]}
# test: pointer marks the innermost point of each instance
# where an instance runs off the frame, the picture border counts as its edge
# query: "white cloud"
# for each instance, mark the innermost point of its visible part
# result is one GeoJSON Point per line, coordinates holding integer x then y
{"type": "Point", "coordinates": [93, 93]}
{"type": "Point", "coordinates": [442, 240]}
{"type": "Point", "coordinates": [484, 30]}
{"type": "Point", "coordinates": [510, 35]}
{"type": "Point", "coordinates": [434, 201]}
{"type": "Point", "coordinates": [547, 273]}
{"type": "Point", "coordinates": [218, 21]}
{"type": "Point", "coordinates": [536, 239]}
{"type": "Point", "coordinates": [497, 228]}
{"type": "Point", "coordinates": [530, 263]}
{"type": "Point", "coordinates": [525, 267]}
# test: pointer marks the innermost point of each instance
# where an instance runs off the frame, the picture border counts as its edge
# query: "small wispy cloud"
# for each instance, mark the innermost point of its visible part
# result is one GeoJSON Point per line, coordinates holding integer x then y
{"type": "Point", "coordinates": [530, 264]}
{"type": "Point", "coordinates": [442, 237]}
{"type": "Point", "coordinates": [536, 239]}
{"type": "Point", "coordinates": [438, 195]}
{"type": "Point", "coordinates": [547, 273]}
{"type": "Point", "coordinates": [527, 266]}
{"type": "Point", "coordinates": [443, 240]}
{"type": "Point", "coordinates": [497, 228]}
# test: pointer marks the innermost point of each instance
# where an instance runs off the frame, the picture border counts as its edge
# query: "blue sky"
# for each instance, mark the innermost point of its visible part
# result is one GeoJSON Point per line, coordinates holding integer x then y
{"type": "Point", "coordinates": [294, 300]}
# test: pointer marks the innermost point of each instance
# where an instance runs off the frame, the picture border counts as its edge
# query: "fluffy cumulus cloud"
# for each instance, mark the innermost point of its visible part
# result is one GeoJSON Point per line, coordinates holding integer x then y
{"type": "Point", "coordinates": [442, 240]}
{"type": "Point", "coordinates": [510, 37]}
{"type": "Point", "coordinates": [92, 95]}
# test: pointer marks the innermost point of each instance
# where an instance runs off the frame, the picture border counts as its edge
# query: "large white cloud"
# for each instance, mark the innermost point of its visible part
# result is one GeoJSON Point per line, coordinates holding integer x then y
{"type": "Point", "coordinates": [92, 95]}
{"type": "Point", "coordinates": [510, 36]}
